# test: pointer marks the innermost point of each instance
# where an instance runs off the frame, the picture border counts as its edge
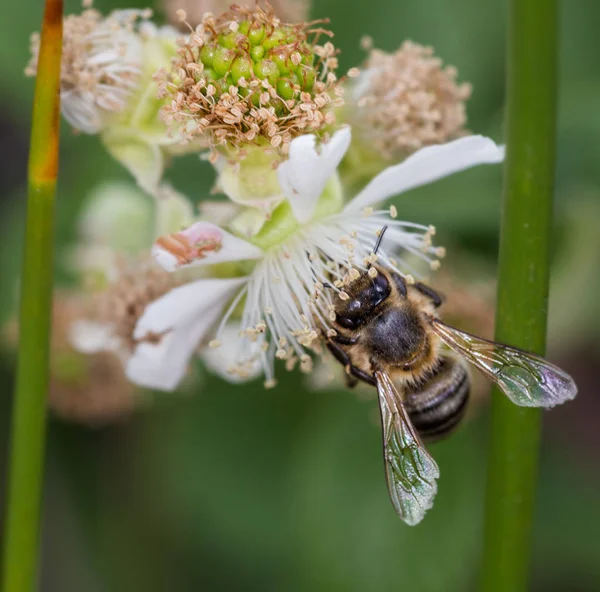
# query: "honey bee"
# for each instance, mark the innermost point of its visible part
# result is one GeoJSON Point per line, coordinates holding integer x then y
{"type": "Point", "coordinates": [388, 334]}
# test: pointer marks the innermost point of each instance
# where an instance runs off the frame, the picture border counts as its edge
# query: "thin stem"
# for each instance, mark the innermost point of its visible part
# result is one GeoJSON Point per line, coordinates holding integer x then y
{"type": "Point", "coordinates": [29, 407]}
{"type": "Point", "coordinates": [523, 286]}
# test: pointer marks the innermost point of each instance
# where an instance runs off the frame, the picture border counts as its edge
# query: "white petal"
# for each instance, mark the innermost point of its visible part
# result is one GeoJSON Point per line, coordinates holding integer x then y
{"type": "Point", "coordinates": [428, 165]}
{"type": "Point", "coordinates": [174, 211]}
{"type": "Point", "coordinates": [202, 243]}
{"type": "Point", "coordinates": [231, 353]}
{"type": "Point", "coordinates": [142, 159]}
{"type": "Point", "coordinates": [304, 175]}
{"type": "Point", "coordinates": [174, 325]}
{"type": "Point", "coordinates": [89, 337]}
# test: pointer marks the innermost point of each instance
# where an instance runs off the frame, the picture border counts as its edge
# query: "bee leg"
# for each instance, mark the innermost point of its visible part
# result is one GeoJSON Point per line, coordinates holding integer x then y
{"type": "Point", "coordinates": [400, 283]}
{"type": "Point", "coordinates": [362, 375]}
{"type": "Point", "coordinates": [353, 372]}
{"type": "Point", "coordinates": [344, 340]}
{"type": "Point", "coordinates": [435, 298]}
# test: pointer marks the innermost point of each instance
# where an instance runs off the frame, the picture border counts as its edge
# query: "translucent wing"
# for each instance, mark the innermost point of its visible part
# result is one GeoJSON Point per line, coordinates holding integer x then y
{"type": "Point", "coordinates": [526, 379]}
{"type": "Point", "coordinates": [410, 470]}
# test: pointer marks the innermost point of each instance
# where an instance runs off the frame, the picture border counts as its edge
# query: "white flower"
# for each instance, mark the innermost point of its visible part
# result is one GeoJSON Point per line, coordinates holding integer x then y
{"type": "Point", "coordinates": [286, 297]}
{"type": "Point", "coordinates": [107, 86]}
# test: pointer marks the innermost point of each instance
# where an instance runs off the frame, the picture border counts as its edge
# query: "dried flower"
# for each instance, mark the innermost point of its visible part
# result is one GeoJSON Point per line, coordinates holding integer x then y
{"type": "Point", "coordinates": [90, 389]}
{"type": "Point", "coordinates": [290, 11]}
{"type": "Point", "coordinates": [244, 78]}
{"type": "Point", "coordinates": [107, 86]}
{"type": "Point", "coordinates": [101, 65]}
{"type": "Point", "coordinates": [406, 100]}
{"type": "Point", "coordinates": [109, 324]}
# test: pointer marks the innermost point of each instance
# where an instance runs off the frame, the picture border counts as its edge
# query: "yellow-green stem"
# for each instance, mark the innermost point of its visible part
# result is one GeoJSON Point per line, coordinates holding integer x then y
{"type": "Point", "coordinates": [522, 287]}
{"type": "Point", "coordinates": [25, 483]}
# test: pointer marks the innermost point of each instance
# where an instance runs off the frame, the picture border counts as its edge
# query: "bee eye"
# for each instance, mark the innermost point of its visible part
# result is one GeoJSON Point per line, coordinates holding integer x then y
{"type": "Point", "coordinates": [381, 285]}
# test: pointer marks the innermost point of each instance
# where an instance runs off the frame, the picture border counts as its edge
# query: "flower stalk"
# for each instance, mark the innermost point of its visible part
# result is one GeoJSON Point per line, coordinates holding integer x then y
{"type": "Point", "coordinates": [25, 482]}
{"type": "Point", "coordinates": [522, 286]}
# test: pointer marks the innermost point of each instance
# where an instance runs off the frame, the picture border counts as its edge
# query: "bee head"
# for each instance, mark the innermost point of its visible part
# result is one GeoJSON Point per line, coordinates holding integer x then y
{"type": "Point", "coordinates": [366, 294]}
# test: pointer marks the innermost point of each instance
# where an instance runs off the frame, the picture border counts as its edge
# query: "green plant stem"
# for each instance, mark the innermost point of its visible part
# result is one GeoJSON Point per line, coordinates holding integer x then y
{"type": "Point", "coordinates": [28, 428]}
{"type": "Point", "coordinates": [522, 286]}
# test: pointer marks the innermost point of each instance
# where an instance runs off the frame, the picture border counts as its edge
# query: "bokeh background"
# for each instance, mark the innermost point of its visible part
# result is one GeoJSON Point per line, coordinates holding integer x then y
{"type": "Point", "coordinates": [238, 488]}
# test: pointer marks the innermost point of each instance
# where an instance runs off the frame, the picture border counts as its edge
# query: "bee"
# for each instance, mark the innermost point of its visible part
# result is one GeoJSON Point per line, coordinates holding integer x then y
{"type": "Point", "coordinates": [389, 335]}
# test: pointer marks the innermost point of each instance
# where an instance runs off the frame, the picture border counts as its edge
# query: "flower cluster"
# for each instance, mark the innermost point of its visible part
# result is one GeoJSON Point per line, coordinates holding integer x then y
{"type": "Point", "coordinates": [251, 281]}
{"type": "Point", "coordinates": [245, 78]}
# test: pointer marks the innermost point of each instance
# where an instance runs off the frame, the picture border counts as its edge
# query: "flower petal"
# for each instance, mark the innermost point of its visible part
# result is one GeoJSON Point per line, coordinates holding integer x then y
{"type": "Point", "coordinates": [89, 337]}
{"type": "Point", "coordinates": [304, 175]}
{"type": "Point", "coordinates": [173, 211]}
{"type": "Point", "coordinates": [428, 165]}
{"type": "Point", "coordinates": [171, 329]}
{"type": "Point", "coordinates": [236, 360]}
{"type": "Point", "coordinates": [202, 243]}
{"type": "Point", "coordinates": [144, 160]}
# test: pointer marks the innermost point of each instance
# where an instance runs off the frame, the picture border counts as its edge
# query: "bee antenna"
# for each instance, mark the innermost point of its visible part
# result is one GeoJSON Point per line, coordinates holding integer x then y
{"type": "Point", "coordinates": [378, 243]}
{"type": "Point", "coordinates": [379, 239]}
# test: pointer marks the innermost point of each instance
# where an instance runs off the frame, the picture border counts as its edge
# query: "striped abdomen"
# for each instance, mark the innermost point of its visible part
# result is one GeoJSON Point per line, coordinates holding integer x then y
{"type": "Point", "coordinates": [436, 406]}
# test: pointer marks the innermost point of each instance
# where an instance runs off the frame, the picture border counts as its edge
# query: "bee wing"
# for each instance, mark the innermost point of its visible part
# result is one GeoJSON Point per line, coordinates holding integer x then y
{"type": "Point", "coordinates": [411, 472]}
{"type": "Point", "coordinates": [526, 379]}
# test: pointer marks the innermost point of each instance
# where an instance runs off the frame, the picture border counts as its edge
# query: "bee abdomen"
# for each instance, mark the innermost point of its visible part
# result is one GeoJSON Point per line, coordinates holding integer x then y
{"type": "Point", "coordinates": [437, 406]}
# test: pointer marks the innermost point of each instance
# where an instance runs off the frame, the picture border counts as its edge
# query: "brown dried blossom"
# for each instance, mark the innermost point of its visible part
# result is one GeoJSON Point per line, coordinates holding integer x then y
{"type": "Point", "coordinates": [85, 388]}
{"type": "Point", "coordinates": [408, 100]}
{"type": "Point", "coordinates": [122, 304]}
{"type": "Point", "coordinates": [291, 11]}
{"type": "Point", "coordinates": [100, 64]}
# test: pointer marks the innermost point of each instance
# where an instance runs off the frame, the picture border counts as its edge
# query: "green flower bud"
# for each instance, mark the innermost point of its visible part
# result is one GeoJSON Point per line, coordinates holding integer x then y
{"type": "Point", "coordinates": [267, 69]}
{"type": "Point", "coordinates": [257, 53]}
{"type": "Point", "coordinates": [241, 68]}
{"type": "Point", "coordinates": [256, 34]}
{"type": "Point", "coordinates": [222, 60]}
{"type": "Point", "coordinates": [207, 55]}
{"type": "Point", "coordinates": [285, 89]}
{"type": "Point", "coordinates": [281, 58]}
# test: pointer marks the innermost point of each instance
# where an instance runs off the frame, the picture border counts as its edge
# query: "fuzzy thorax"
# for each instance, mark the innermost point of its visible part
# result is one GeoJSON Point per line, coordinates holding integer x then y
{"type": "Point", "coordinates": [246, 78]}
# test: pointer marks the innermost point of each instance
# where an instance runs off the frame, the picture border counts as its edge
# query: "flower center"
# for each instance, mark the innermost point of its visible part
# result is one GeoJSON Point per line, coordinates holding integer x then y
{"type": "Point", "coordinates": [245, 77]}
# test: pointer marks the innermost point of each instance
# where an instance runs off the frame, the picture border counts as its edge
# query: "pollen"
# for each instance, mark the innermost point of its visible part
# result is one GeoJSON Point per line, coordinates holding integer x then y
{"type": "Point", "coordinates": [246, 78]}
{"type": "Point", "coordinates": [393, 211]}
{"type": "Point", "coordinates": [372, 272]}
{"type": "Point", "coordinates": [343, 296]}
{"type": "Point", "coordinates": [214, 344]}
{"type": "Point", "coordinates": [411, 101]}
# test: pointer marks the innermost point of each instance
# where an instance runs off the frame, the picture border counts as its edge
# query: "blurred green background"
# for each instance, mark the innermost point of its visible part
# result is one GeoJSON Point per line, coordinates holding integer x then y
{"type": "Point", "coordinates": [237, 488]}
